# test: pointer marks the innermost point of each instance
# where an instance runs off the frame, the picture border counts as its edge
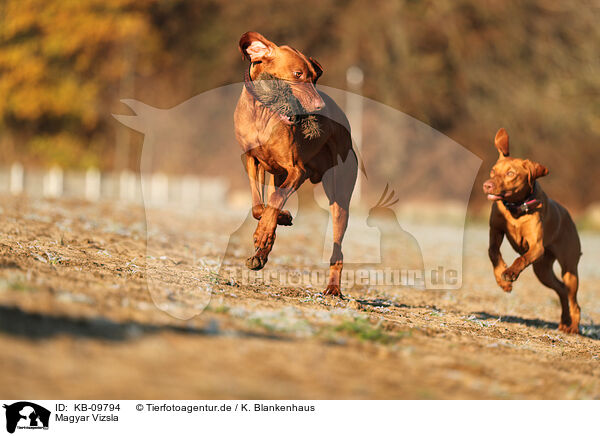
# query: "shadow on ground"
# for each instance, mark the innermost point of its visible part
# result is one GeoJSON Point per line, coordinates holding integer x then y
{"type": "Point", "coordinates": [14, 321]}
{"type": "Point", "coordinates": [380, 302]}
{"type": "Point", "coordinates": [591, 331]}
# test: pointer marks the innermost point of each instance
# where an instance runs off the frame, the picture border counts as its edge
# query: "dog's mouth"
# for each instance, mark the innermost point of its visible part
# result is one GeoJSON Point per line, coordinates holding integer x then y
{"type": "Point", "coordinates": [276, 94]}
{"type": "Point", "coordinates": [500, 196]}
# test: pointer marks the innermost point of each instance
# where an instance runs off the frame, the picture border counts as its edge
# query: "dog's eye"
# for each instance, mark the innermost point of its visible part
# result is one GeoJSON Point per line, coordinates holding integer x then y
{"type": "Point", "coordinates": [297, 74]}
{"type": "Point", "coordinates": [510, 173]}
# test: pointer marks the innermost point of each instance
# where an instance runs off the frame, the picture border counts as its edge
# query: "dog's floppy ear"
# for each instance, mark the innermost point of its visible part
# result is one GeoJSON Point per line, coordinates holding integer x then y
{"type": "Point", "coordinates": [501, 142]}
{"type": "Point", "coordinates": [536, 170]}
{"type": "Point", "coordinates": [256, 47]}
{"type": "Point", "coordinates": [317, 67]}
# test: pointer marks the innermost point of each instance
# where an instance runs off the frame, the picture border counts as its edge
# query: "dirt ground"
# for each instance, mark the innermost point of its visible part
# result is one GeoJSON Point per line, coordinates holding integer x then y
{"type": "Point", "coordinates": [77, 320]}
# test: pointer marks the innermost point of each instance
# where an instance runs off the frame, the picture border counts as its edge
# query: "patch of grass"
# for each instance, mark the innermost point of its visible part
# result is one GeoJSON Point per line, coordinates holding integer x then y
{"type": "Point", "coordinates": [218, 279]}
{"type": "Point", "coordinates": [258, 322]}
{"type": "Point", "coordinates": [221, 309]}
{"type": "Point", "coordinates": [425, 394]}
{"type": "Point", "coordinates": [481, 323]}
{"type": "Point", "coordinates": [366, 331]}
{"type": "Point", "coordinates": [16, 284]}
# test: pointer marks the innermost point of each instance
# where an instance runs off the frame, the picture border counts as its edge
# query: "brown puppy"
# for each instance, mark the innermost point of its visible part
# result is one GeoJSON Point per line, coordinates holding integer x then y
{"type": "Point", "coordinates": [274, 142]}
{"type": "Point", "coordinates": [538, 228]}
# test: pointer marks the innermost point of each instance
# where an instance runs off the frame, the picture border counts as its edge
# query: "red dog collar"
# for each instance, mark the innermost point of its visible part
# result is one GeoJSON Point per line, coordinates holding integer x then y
{"type": "Point", "coordinates": [520, 209]}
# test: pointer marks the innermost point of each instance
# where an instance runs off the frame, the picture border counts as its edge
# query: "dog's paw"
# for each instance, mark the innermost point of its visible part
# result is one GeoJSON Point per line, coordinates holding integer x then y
{"type": "Point", "coordinates": [256, 262]}
{"type": "Point", "coordinates": [506, 286]}
{"type": "Point", "coordinates": [284, 218]}
{"type": "Point", "coordinates": [571, 329]}
{"type": "Point", "coordinates": [333, 290]}
{"type": "Point", "coordinates": [510, 275]}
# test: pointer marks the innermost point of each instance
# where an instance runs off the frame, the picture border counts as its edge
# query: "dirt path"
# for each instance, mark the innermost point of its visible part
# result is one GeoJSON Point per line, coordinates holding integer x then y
{"type": "Point", "coordinates": [77, 321]}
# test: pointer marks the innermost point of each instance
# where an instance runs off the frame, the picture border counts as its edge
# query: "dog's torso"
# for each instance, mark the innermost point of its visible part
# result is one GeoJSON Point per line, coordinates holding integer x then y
{"type": "Point", "coordinates": [550, 223]}
{"type": "Point", "coordinates": [275, 145]}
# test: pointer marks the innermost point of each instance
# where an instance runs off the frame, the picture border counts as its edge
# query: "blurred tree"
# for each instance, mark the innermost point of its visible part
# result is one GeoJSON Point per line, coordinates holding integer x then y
{"type": "Point", "coordinates": [465, 67]}
{"type": "Point", "coordinates": [60, 62]}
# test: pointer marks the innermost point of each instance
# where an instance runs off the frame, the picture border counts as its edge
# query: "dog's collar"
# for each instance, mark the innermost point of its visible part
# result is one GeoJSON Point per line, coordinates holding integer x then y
{"type": "Point", "coordinates": [519, 209]}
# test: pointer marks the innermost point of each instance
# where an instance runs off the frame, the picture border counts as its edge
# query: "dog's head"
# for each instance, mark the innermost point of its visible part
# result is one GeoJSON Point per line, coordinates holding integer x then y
{"type": "Point", "coordinates": [511, 179]}
{"type": "Point", "coordinates": [284, 63]}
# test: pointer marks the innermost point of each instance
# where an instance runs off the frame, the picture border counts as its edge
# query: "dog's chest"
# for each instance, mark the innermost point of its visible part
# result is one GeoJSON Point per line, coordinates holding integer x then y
{"type": "Point", "coordinates": [278, 147]}
{"type": "Point", "coordinates": [516, 238]}
{"type": "Point", "coordinates": [524, 231]}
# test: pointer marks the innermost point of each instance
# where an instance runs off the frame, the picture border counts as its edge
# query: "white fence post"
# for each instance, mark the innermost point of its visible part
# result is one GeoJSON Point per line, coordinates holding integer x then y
{"type": "Point", "coordinates": [127, 186]}
{"type": "Point", "coordinates": [16, 178]}
{"type": "Point", "coordinates": [190, 191]}
{"type": "Point", "coordinates": [159, 189]}
{"type": "Point", "coordinates": [53, 183]}
{"type": "Point", "coordinates": [92, 184]}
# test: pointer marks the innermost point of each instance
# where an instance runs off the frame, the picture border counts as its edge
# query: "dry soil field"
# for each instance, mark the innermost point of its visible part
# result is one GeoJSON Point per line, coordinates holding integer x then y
{"type": "Point", "coordinates": [77, 321]}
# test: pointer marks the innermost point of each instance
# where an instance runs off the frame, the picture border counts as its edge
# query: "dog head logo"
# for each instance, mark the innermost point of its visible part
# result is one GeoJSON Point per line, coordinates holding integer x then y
{"type": "Point", "coordinates": [432, 177]}
{"type": "Point", "coordinates": [26, 415]}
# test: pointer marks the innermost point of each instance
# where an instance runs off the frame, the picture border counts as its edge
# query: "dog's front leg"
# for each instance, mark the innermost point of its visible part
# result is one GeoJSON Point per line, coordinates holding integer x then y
{"type": "Point", "coordinates": [534, 252]}
{"type": "Point", "coordinates": [264, 236]}
{"type": "Point", "coordinates": [496, 238]}
{"type": "Point", "coordinates": [256, 176]}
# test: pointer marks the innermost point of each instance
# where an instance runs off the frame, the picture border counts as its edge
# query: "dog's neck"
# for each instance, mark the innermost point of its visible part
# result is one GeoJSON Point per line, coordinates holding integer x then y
{"type": "Point", "coordinates": [525, 207]}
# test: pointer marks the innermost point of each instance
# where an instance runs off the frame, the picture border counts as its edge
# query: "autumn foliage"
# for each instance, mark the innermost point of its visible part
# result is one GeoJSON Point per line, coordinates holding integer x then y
{"type": "Point", "coordinates": [465, 67]}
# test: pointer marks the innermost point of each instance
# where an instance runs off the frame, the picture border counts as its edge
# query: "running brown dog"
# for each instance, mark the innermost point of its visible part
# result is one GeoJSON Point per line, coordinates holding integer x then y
{"type": "Point", "coordinates": [272, 141]}
{"type": "Point", "coordinates": [537, 227]}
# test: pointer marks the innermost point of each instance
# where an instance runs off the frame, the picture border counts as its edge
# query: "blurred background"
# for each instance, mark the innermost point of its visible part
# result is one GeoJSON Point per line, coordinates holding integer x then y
{"type": "Point", "coordinates": [464, 67]}
{"type": "Point", "coordinates": [436, 76]}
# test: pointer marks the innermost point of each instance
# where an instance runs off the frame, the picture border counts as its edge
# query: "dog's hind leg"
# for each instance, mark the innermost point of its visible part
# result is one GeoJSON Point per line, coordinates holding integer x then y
{"type": "Point", "coordinates": [568, 258]}
{"type": "Point", "coordinates": [571, 280]}
{"type": "Point", "coordinates": [338, 184]}
{"type": "Point", "coordinates": [545, 274]}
